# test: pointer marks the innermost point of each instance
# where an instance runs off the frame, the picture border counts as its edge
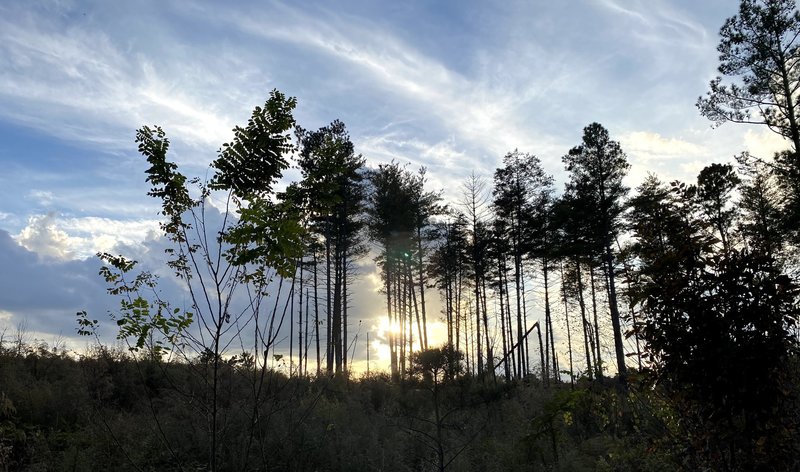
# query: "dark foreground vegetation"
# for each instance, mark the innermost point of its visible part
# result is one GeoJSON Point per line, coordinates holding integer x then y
{"type": "Point", "coordinates": [106, 411]}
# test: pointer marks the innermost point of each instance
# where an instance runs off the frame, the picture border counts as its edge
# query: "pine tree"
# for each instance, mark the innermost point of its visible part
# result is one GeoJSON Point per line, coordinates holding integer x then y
{"type": "Point", "coordinates": [597, 168]}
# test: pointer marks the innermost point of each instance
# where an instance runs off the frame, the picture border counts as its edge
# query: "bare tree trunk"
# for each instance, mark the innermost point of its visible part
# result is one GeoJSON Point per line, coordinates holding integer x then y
{"type": "Point", "coordinates": [458, 288]}
{"type": "Point", "coordinates": [585, 322]}
{"type": "Point", "coordinates": [526, 346]}
{"type": "Point", "coordinates": [569, 335]}
{"type": "Point", "coordinates": [424, 342]}
{"type": "Point", "coordinates": [510, 328]}
{"type": "Point", "coordinates": [401, 295]}
{"type": "Point", "coordinates": [329, 313]}
{"type": "Point", "coordinates": [631, 308]}
{"type": "Point", "coordinates": [407, 288]}
{"type": "Point", "coordinates": [291, 323]}
{"type": "Point", "coordinates": [300, 325]}
{"type": "Point", "coordinates": [541, 351]}
{"type": "Point", "coordinates": [549, 318]}
{"type": "Point", "coordinates": [344, 314]}
{"type": "Point", "coordinates": [316, 316]}
{"type": "Point", "coordinates": [449, 310]}
{"type": "Point", "coordinates": [392, 340]}
{"type": "Point", "coordinates": [336, 328]}
{"type": "Point", "coordinates": [308, 341]}
{"type": "Point", "coordinates": [503, 319]}
{"type": "Point", "coordinates": [599, 358]}
{"type": "Point", "coordinates": [478, 348]}
{"type": "Point", "coordinates": [615, 320]}
{"type": "Point", "coordinates": [517, 286]}
{"type": "Point", "coordinates": [468, 348]}
{"type": "Point", "coordinates": [489, 356]}
{"type": "Point", "coordinates": [420, 324]}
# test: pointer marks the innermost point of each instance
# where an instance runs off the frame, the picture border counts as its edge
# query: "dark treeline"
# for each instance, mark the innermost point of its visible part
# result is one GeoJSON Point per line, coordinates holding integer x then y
{"type": "Point", "coordinates": [652, 328]}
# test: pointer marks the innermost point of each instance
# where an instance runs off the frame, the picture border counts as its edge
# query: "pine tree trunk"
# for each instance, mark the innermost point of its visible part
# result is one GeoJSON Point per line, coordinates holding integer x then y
{"type": "Point", "coordinates": [527, 347]}
{"type": "Point", "coordinates": [329, 299]}
{"type": "Point", "coordinates": [598, 359]}
{"type": "Point", "coordinates": [392, 340]}
{"type": "Point", "coordinates": [344, 314]}
{"type": "Point", "coordinates": [541, 351]}
{"type": "Point", "coordinates": [424, 342]}
{"type": "Point", "coordinates": [291, 323]}
{"type": "Point", "coordinates": [300, 325]}
{"type": "Point", "coordinates": [489, 355]}
{"type": "Point", "coordinates": [478, 349]}
{"type": "Point", "coordinates": [503, 320]}
{"type": "Point", "coordinates": [336, 328]}
{"type": "Point", "coordinates": [316, 317]}
{"type": "Point", "coordinates": [517, 284]}
{"type": "Point", "coordinates": [308, 341]}
{"type": "Point", "coordinates": [585, 322]}
{"type": "Point", "coordinates": [420, 323]}
{"type": "Point", "coordinates": [459, 325]}
{"type": "Point", "coordinates": [615, 320]}
{"type": "Point", "coordinates": [569, 335]}
{"type": "Point", "coordinates": [510, 328]}
{"type": "Point", "coordinates": [549, 317]}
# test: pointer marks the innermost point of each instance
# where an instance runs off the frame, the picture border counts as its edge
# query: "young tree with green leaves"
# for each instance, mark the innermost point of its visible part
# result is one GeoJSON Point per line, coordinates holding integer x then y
{"type": "Point", "coordinates": [257, 239]}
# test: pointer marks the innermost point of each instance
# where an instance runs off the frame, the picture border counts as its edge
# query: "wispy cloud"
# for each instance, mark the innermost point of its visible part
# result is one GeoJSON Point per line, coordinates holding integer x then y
{"type": "Point", "coordinates": [478, 114]}
{"type": "Point", "coordinates": [659, 21]}
{"type": "Point", "coordinates": [85, 85]}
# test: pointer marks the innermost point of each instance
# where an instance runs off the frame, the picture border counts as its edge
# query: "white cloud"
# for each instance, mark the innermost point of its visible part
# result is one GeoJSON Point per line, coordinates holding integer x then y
{"type": "Point", "coordinates": [764, 143]}
{"type": "Point", "coordinates": [78, 238]}
{"type": "Point", "coordinates": [651, 145]}
{"type": "Point", "coordinates": [43, 237]}
{"type": "Point", "coordinates": [669, 158]}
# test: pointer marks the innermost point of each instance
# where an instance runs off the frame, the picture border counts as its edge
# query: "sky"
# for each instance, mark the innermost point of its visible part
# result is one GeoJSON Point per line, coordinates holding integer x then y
{"type": "Point", "coordinates": [450, 85]}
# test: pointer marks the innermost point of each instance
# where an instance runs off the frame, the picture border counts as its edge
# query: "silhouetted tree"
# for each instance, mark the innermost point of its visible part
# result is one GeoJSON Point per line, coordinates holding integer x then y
{"type": "Point", "coordinates": [714, 186]}
{"type": "Point", "coordinates": [597, 168]}
{"type": "Point", "coordinates": [447, 268]}
{"type": "Point", "coordinates": [398, 209]}
{"type": "Point", "coordinates": [332, 181]}
{"type": "Point", "coordinates": [521, 193]}
{"type": "Point", "coordinates": [759, 51]}
{"type": "Point", "coordinates": [761, 223]}
{"type": "Point", "coordinates": [475, 204]}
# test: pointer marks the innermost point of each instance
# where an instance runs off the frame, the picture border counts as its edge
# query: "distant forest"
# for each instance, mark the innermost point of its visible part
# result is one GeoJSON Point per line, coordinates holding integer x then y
{"type": "Point", "coordinates": [594, 327]}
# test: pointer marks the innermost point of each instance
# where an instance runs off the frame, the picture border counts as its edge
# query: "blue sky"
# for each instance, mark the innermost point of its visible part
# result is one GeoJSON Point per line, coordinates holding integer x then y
{"type": "Point", "coordinates": [451, 85]}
